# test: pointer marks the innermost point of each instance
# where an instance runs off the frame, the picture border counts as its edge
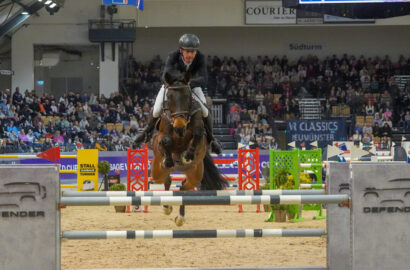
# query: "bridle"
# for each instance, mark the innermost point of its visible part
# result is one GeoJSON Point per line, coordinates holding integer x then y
{"type": "Point", "coordinates": [184, 114]}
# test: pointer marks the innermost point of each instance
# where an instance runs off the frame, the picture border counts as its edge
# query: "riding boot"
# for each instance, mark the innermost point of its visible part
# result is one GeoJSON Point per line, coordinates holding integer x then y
{"type": "Point", "coordinates": [215, 145]}
{"type": "Point", "coordinates": [144, 136]}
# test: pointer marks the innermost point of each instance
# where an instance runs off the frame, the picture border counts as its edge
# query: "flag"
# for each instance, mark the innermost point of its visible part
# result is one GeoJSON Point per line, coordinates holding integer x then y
{"type": "Point", "coordinates": [52, 154]}
{"type": "Point", "coordinates": [343, 147]}
{"type": "Point", "coordinates": [140, 4]}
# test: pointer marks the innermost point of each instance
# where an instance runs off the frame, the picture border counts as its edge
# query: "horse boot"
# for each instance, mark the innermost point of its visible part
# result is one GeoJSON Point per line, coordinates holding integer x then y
{"type": "Point", "coordinates": [215, 145]}
{"type": "Point", "coordinates": [144, 136]}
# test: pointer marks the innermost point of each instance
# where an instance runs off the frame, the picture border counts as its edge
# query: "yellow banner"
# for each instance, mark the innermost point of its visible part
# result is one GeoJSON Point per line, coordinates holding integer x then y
{"type": "Point", "coordinates": [87, 170]}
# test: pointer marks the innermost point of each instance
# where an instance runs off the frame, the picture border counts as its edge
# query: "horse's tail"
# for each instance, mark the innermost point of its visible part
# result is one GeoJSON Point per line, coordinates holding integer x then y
{"type": "Point", "coordinates": [213, 179]}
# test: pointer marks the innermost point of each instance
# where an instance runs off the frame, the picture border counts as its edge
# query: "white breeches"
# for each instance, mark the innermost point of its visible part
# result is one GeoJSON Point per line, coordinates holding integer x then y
{"type": "Point", "coordinates": [199, 96]}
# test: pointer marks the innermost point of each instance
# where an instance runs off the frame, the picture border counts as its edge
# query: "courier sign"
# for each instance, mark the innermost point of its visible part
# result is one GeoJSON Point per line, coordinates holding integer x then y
{"type": "Point", "coordinates": [268, 12]}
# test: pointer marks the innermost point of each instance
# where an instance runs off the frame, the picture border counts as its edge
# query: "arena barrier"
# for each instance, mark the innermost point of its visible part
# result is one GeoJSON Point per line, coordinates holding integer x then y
{"type": "Point", "coordinates": [367, 221]}
{"type": "Point", "coordinates": [87, 166]}
{"type": "Point", "coordinates": [248, 170]}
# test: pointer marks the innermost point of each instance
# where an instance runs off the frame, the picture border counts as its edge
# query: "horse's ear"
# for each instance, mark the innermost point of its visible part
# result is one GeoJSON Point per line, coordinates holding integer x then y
{"type": "Point", "coordinates": [168, 78]}
{"type": "Point", "coordinates": [187, 77]}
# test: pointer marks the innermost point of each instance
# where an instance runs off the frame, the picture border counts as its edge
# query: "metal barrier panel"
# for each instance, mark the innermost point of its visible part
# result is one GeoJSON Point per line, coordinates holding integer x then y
{"type": "Point", "coordinates": [217, 113]}
{"type": "Point", "coordinates": [338, 218]}
{"type": "Point", "coordinates": [380, 216]}
{"type": "Point", "coordinates": [29, 221]}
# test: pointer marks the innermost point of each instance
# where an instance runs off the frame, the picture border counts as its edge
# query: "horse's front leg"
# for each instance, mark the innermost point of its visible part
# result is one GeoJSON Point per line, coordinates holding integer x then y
{"type": "Point", "coordinates": [189, 154]}
{"type": "Point", "coordinates": [193, 177]}
{"type": "Point", "coordinates": [166, 143]}
{"type": "Point", "coordinates": [167, 208]}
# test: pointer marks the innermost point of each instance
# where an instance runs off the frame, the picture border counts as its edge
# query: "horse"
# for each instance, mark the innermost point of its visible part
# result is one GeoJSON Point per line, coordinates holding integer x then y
{"type": "Point", "coordinates": [180, 143]}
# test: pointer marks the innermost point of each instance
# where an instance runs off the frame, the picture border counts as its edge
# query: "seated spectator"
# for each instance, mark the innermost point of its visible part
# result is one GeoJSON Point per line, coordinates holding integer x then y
{"type": "Point", "coordinates": [388, 121]}
{"type": "Point", "coordinates": [367, 138]}
{"type": "Point", "coordinates": [367, 128]}
{"type": "Point", "coordinates": [84, 125]}
{"type": "Point", "coordinates": [369, 108]}
{"type": "Point", "coordinates": [377, 119]}
{"type": "Point", "coordinates": [387, 114]}
{"type": "Point", "coordinates": [275, 108]}
{"type": "Point", "coordinates": [273, 144]}
{"type": "Point", "coordinates": [357, 138]}
{"type": "Point", "coordinates": [58, 139]}
{"type": "Point", "coordinates": [386, 131]}
{"type": "Point", "coordinates": [245, 117]}
{"type": "Point", "coordinates": [264, 144]}
{"type": "Point", "coordinates": [407, 120]}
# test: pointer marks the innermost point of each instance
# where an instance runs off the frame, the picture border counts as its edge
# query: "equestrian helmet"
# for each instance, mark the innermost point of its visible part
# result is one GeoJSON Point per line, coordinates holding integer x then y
{"type": "Point", "coordinates": [189, 42]}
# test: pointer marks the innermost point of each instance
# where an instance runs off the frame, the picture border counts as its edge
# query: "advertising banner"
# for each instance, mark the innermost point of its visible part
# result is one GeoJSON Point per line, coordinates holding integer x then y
{"type": "Point", "coordinates": [268, 12]}
{"type": "Point", "coordinates": [308, 131]}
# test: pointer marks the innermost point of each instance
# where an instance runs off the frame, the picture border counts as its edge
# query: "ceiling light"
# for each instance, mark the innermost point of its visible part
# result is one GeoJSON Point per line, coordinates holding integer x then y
{"type": "Point", "coordinates": [48, 2]}
{"type": "Point", "coordinates": [53, 5]}
{"type": "Point", "coordinates": [24, 13]}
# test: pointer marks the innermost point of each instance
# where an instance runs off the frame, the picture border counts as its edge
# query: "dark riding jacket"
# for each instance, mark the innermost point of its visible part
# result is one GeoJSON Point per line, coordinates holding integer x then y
{"type": "Point", "coordinates": [199, 75]}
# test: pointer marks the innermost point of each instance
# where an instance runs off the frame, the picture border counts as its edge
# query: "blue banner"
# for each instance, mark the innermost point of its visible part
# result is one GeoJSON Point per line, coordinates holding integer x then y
{"type": "Point", "coordinates": [308, 131]}
{"type": "Point", "coordinates": [138, 3]}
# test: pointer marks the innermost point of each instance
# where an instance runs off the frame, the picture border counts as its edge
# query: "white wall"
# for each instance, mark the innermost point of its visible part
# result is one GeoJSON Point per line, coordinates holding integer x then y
{"type": "Point", "coordinates": [72, 67]}
{"type": "Point", "coordinates": [69, 26]}
{"type": "Point", "coordinates": [22, 53]}
{"type": "Point", "coordinates": [253, 41]}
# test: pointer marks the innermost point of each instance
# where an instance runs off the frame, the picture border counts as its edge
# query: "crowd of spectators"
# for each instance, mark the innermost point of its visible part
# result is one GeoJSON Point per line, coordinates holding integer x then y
{"type": "Point", "coordinates": [258, 90]}
{"type": "Point", "coordinates": [29, 123]}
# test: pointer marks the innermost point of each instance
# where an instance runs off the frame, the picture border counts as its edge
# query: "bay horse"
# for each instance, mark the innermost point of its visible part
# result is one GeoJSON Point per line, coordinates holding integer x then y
{"type": "Point", "coordinates": [180, 143]}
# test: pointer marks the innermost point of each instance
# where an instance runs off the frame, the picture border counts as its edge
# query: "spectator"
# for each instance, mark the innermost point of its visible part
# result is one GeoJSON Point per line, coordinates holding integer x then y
{"type": "Point", "coordinates": [367, 128]}
{"type": "Point", "coordinates": [357, 138]}
{"type": "Point", "coordinates": [273, 144]}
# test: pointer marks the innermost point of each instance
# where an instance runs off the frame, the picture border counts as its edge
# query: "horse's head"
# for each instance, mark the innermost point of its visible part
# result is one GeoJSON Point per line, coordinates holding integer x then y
{"type": "Point", "coordinates": [179, 100]}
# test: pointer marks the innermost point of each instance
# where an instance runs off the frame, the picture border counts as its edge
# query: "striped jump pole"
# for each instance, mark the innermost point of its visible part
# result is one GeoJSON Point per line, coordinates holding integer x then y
{"type": "Point", "coordinates": [312, 186]}
{"type": "Point", "coordinates": [204, 200]}
{"type": "Point", "coordinates": [177, 234]}
{"type": "Point", "coordinates": [192, 193]}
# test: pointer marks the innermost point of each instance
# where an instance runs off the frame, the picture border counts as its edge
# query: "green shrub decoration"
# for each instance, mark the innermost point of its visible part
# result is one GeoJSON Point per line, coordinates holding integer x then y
{"type": "Point", "coordinates": [118, 187]}
{"type": "Point", "coordinates": [104, 167]}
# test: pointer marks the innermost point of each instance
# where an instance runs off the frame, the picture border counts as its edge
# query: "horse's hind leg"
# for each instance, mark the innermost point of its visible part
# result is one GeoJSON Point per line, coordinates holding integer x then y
{"type": "Point", "coordinates": [167, 208]}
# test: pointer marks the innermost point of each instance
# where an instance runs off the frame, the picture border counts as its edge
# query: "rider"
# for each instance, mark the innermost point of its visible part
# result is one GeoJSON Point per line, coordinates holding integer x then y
{"type": "Point", "coordinates": [187, 58]}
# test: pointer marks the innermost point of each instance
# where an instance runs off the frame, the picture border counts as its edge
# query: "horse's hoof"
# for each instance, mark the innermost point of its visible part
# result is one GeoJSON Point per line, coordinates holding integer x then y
{"type": "Point", "coordinates": [167, 163]}
{"type": "Point", "coordinates": [179, 221]}
{"type": "Point", "coordinates": [167, 210]}
{"type": "Point", "coordinates": [187, 157]}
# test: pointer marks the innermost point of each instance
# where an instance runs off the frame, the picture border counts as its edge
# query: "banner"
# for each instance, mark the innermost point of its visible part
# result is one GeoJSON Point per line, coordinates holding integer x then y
{"type": "Point", "coordinates": [268, 12]}
{"type": "Point", "coordinates": [322, 131]}
{"type": "Point", "coordinates": [87, 169]}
